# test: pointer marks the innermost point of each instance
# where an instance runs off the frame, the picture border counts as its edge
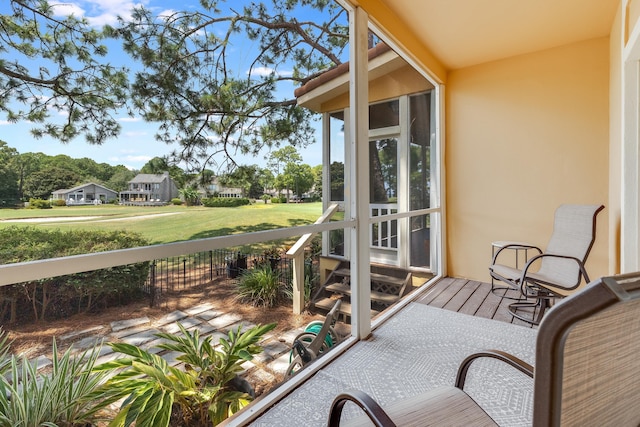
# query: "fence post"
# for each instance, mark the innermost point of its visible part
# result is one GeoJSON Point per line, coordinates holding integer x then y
{"type": "Point", "coordinates": [184, 272]}
{"type": "Point", "coordinates": [210, 265]}
{"type": "Point", "coordinates": [298, 282]}
{"type": "Point", "coordinates": [152, 289]}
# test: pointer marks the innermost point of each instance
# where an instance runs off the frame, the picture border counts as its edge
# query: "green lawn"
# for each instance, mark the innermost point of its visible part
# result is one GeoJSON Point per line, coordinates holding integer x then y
{"type": "Point", "coordinates": [166, 224]}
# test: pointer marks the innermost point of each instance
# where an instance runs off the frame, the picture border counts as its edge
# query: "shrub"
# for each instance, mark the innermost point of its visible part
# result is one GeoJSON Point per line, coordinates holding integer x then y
{"type": "Point", "coordinates": [66, 396]}
{"type": "Point", "coordinates": [176, 201]}
{"type": "Point", "coordinates": [225, 202]}
{"type": "Point", "coordinates": [59, 202]}
{"type": "Point", "coordinates": [282, 199]}
{"type": "Point", "coordinates": [260, 286]}
{"type": "Point", "coordinates": [205, 393]}
{"type": "Point", "coordinates": [65, 295]}
{"type": "Point", "coordinates": [39, 204]}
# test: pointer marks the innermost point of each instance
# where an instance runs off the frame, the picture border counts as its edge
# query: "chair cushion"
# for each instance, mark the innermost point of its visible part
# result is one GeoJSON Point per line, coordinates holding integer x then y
{"type": "Point", "coordinates": [443, 406]}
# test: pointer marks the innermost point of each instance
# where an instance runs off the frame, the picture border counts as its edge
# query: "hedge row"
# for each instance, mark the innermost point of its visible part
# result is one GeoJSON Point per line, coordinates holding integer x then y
{"type": "Point", "coordinates": [225, 202]}
{"type": "Point", "coordinates": [65, 295]}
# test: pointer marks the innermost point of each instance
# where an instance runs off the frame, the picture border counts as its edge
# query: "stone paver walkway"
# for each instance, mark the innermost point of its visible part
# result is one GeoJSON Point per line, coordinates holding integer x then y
{"type": "Point", "coordinates": [265, 370]}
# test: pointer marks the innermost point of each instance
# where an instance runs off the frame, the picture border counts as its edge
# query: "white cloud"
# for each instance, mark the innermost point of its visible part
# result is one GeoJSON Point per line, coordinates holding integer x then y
{"type": "Point", "coordinates": [66, 9]}
{"type": "Point", "coordinates": [166, 13]}
{"type": "Point", "coordinates": [97, 12]}
{"type": "Point", "coordinates": [4, 122]}
{"type": "Point", "coordinates": [266, 71]}
{"type": "Point", "coordinates": [141, 158]}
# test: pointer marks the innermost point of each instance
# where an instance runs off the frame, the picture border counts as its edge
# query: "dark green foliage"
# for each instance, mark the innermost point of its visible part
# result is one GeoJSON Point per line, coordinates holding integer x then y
{"type": "Point", "coordinates": [225, 202]}
{"type": "Point", "coordinates": [261, 286]}
{"type": "Point", "coordinates": [204, 393]}
{"type": "Point", "coordinates": [65, 295]}
{"type": "Point", "coordinates": [57, 64]}
{"type": "Point", "coordinates": [8, 176]}
{"type": "Point", "coordinates": [42, 183]}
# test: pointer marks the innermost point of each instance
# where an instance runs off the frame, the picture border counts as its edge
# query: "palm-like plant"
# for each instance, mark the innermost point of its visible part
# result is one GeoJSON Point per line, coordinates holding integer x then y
{"type": "Point", "coordinates": [200, 394]}
{"type": "Point", "coordinates": [64, 397]}
{"type": "Point", "coordinates": [190, 195]}
{"type": "Point", "coordinates": [260, 286]}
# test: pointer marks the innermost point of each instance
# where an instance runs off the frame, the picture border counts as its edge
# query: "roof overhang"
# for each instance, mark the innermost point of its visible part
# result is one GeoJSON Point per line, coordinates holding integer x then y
{"type": "Point", "coordinates": [382, 61]}
{"type": "Point", "coordinates": [462, 33]}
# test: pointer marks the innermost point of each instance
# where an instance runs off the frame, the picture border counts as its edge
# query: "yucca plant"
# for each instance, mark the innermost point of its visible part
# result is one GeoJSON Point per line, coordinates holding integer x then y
{"type": "Point", "coordinates": [203, 393]}
{"type": "Point", "coordinates": [64, 397]}
{"type": "Point", "coordinates": [5, 345]}
{"type": "Point", "coordinates": [260, 286]}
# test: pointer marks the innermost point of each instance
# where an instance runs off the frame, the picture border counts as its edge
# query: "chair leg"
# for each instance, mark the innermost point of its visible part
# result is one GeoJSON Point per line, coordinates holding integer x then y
{"type": "Point", "coordinates": [542, 303]}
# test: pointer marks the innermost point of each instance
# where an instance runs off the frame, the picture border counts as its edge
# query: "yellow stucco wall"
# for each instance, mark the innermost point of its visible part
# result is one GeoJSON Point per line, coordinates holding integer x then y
{"type": "Point", "coordinates": [615, 143]}
{"type": "Point", "coordinates": [524, 135]}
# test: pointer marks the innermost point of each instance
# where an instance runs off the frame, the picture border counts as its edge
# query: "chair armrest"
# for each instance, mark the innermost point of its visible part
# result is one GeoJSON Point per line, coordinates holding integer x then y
{"type": "Point", "coordinates": [376, 414]}
{"type": "Point", "coordinates": [523, 279]}
{"type": "Point", "coordinates": [509, 359]}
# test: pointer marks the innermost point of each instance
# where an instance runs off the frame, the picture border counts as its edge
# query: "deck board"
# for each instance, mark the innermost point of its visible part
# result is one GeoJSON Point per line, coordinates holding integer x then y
{"type": "Point", "coordinates": [471, 297]}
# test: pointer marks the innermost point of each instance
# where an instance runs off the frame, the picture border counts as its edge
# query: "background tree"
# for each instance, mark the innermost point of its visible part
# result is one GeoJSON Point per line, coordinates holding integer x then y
{"type": "Point", "coordinates": [297, 177]}
{"type": "Point", "coordinates": [160, 165]}
{"type": "Point", "coordinates": [41, 184]}
{"type": "Point", "coordinates": [266, 179]}
{"type": "Point", "coordinates": [247, 178]}
{"type": "Point", "coordinates": [25, 165]}
{"type": "Point", "coordinates": [317, 182]}
{"type": "Point", "coordinates": [120, 178]}
{"type": "Point", "coordinates": [336, 181]}
{"type": "Point", "coordinates": [278, 160]}
{"type": "Point", "coordinates": [183, 79]}
{"type": "Point", "coordinates": [8, 176]}
{"type": "Point", "coordinates": [52, 66]}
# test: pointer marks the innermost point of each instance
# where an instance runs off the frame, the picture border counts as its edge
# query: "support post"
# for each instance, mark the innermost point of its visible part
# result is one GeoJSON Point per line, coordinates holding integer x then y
{"type": "Point", "coordinates": [359, 188]}
{"type": "Point", "coordinates": [298, 282]}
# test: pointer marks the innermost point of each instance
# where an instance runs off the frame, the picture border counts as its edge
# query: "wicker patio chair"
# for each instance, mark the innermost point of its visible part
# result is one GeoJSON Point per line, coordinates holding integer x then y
{"type": "Point", "coordinates": [587, 369]}
{"type": "Point", "coordinates": [556, 272]}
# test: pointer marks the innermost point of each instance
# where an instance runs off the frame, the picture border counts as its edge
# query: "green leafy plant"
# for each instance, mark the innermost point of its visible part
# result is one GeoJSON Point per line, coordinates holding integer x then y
{"type": "Point", "coordinates": [205, 392]}
{"type": "Point", "coordinates": [64, 397]}
{"type": "Point", "coordinates": [225, 202]}
{"type": "Point", "coordinates": [260, 286]}
{"type": "Point", "coordinates": [39, 204]}
{"type": "Point", "coordinates": [64, 295]}
{"type": "Point", "coordinates": [5, 346]}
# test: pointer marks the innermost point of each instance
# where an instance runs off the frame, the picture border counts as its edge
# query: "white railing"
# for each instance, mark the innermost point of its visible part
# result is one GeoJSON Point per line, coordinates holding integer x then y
{"type": "Point", "coordinates": [384, 234]}
{"type": "Point", "coordinates": [296, 253]}
{"type": "Point", "coordinates": [47, 268]}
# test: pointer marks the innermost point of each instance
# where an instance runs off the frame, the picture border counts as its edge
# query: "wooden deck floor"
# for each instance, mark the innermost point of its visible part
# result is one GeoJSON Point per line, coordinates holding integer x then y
{"type": "Point", "coordinates": [471, 297]}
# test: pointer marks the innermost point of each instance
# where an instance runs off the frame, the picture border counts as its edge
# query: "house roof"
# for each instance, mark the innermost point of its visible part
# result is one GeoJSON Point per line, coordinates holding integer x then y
{"type": "Point", "coordinates": [149, 178]}
{"type": "Point", "coordinates": [462, 33]}
{"type": "Point", "coordinates": [79, 187]}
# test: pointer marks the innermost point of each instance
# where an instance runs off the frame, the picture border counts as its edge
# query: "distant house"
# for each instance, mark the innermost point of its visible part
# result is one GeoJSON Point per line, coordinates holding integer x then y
{"type": "Point", "coordinates": [86, 194]}
{"type": "Point", "coordinates": [214, 188]}
{"type": "Point", "coordinates": [149, 189]}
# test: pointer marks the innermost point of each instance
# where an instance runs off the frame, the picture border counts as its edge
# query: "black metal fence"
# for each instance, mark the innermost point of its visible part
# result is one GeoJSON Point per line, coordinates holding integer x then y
{"type": "Point", "coordinates": [199, 269]}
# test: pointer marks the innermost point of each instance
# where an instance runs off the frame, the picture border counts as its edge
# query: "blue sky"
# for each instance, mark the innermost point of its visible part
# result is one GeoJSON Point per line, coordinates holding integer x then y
{"type": "Point", "coordinates": [136, 144]}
